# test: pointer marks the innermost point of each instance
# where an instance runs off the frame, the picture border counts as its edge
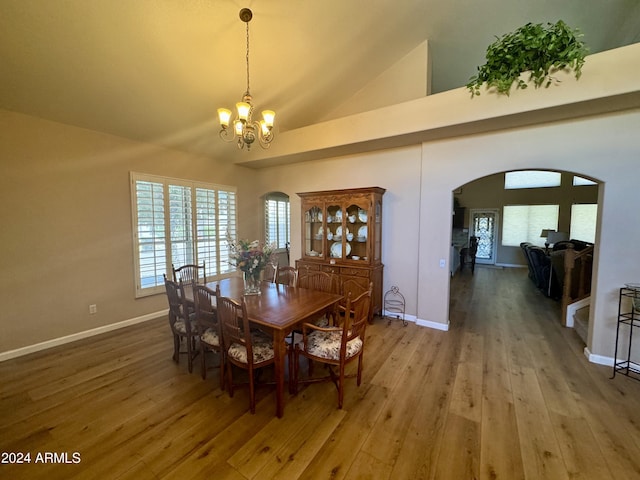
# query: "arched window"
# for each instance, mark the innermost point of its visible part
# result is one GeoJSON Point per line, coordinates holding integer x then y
{"type": "Point", "coordinates": [277, 219]}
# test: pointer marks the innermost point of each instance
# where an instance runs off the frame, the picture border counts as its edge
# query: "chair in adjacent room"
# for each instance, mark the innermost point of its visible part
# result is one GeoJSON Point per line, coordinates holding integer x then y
{"type": "Point", "coordinates": [209, 329]}
{"type": "Point", "coordinates": [243, 348]}
{"type": "Point", "coordinates": [468, 254]}
{"type": "Point", "coordinates": [473, 251]}
{"type": "Point", "coordinates": [335, 346]}
{"type": "Point", "coordinates": [190, 274]}
{"type": "Point", "coordinates": [525, 246]}
{"type": "Point", "coordinates": [182, 322]}
{"type": "Point", "coordinates": [541, 264]}
{"type": "Point", "coordinates": [287, 275]}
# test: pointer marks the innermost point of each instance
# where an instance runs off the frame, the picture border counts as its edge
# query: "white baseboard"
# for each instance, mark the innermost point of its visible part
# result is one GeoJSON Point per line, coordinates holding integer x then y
{"type": "Point", "coordinates": [435, 325]}
{"type": "Point", "coordinates": [19, 352]}
{"type": "Point", "coordinates": [412, 318]}
{"type": "Point", "coordinates": [599, 359]}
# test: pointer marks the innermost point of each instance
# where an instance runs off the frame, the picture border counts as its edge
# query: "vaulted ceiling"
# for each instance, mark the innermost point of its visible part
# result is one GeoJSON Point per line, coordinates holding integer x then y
{"type": "Point", "coordinates": [157, 70]}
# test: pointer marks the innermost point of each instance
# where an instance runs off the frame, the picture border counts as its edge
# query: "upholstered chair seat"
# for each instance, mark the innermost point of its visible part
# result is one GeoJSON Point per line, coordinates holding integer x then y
{"type": "Point", "coordinates": [326, 344]}
{"type": "Point", "coordinates": [211, 337]}
{"type": "Point", "coordinates": [180, 327]}
{"type": "Point", "coordinates": [262, 352]}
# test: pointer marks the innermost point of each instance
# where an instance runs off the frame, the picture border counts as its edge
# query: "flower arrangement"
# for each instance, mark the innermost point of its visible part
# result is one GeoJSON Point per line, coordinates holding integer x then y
{"type": "Point", "coordinates": [251, 258]}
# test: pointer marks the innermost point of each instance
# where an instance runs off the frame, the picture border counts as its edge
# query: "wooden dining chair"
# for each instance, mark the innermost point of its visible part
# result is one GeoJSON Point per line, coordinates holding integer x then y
{"type": "Point", "coordinates": [335, 346]}
{"type": "Point", "coordinates": [209, 329]}
{"type": "Point", "coordinates": [190, 274]}
{"type": "Point", "coordinates": [287, 275]}
{"type": "Point", "coordinates": [270, 271]}
{"type": "Point", "coordinates": [316, 280]}
{"type": "Point", "coordinates": [243, 348]}
{"type": "Point", "coordinates": [355, 287]}
{"type": "Point", "coordinates": [182, 322]}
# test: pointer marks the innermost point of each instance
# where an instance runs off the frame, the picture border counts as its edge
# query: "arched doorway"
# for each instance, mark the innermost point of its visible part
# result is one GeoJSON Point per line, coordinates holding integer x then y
{"type": "Point", "coordinates": [566, 205]}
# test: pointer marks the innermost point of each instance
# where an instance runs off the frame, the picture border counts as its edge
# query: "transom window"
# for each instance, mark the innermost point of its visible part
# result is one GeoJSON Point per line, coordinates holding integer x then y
{"type": "Point", "coordinates": [178, 222]}
{"type": "Point", "coordinates": [531, 179]}
{"type": "Point", "coordinates": [578, 181]}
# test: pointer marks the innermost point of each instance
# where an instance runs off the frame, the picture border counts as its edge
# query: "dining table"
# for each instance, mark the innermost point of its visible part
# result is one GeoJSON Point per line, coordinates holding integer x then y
{"type": "Point", "coordinates": [279, 309]}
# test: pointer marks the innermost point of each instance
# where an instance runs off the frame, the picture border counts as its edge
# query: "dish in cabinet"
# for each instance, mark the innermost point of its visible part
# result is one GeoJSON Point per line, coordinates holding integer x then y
{"type": "Point", "coordinates": [339, 231]}
{"type": "Point", "coordinates": [362, 216]}
{"type": "Point", "coordinates": [362, 232]}
{"type": "Point", "coordinates": [336, 250]}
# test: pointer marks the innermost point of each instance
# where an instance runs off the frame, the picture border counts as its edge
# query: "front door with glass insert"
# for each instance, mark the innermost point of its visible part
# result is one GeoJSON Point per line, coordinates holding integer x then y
{"type": "Point", "coordinates": [484, 225]}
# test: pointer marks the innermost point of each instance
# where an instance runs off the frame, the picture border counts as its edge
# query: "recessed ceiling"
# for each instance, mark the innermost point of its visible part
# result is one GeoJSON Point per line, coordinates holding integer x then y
{"type": "Point", "coordinates": [156, 71]}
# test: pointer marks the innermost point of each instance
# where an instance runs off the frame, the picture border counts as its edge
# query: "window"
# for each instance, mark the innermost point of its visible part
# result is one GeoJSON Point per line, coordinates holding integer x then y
{"type": "Point", "coordinates": [178, 222]}
{"type": "Point", "coordinates": [583, 222]}
{"type": "Point", "coordinates": [524, 223]}
{"type": "Point", "coordinates": [578, 181]}
{"type": "Point", "coordinates": [277, 219]}
{"type": "Point", "coordinates": [531, 179]}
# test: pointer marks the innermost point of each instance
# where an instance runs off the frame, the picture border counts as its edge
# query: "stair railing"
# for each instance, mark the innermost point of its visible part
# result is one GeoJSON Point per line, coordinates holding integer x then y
{"type": "Point", "coordinates": [578, 268]}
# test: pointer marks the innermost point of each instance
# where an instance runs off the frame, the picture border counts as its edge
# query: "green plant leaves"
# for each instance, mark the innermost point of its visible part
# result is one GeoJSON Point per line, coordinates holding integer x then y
{"type": "Point", "coordinates": [534, 48]}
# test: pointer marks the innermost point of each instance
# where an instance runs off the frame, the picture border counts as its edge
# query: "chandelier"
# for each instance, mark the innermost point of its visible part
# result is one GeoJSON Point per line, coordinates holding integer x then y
{"type": "Point", "coordinates": [244, 130]}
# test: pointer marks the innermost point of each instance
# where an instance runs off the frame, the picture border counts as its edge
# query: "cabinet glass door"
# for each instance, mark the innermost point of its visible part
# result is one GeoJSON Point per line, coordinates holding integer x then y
{"type": "Point", "coordinates": [357, 232]}
{"type": "Point", "coordinates": [335, 233]}
{"type": "Point", "coordinates": [313, 232]}
{"type": "Point", "coordinates": [377, 225]}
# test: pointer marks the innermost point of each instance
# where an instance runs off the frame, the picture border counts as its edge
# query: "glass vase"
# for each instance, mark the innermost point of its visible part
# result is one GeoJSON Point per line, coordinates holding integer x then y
{"type": "Point", "coordinates": [252, 282]}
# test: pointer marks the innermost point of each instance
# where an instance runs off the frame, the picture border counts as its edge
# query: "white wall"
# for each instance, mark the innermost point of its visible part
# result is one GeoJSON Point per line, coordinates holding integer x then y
{"type": "Point", "coordinates": [605, 148]}
{"type": "Point", "coordinates": [417, 205]}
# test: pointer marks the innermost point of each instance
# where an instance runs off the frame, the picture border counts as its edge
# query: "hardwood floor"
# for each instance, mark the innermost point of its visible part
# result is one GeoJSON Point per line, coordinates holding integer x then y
{"type": "Point", "coordinates": [506, 393]}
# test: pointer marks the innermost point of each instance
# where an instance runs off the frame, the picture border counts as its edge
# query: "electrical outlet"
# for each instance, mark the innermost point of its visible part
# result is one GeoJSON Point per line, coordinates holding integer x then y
{"type": "Point", "coordinates": [93, 308]}
{"type": "Point", "coordinates": [442, 263]}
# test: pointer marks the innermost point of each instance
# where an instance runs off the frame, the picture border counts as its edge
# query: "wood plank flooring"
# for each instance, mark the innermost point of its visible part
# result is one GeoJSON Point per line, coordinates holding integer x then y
{"type": "Point", "coordinates": [506, 393]}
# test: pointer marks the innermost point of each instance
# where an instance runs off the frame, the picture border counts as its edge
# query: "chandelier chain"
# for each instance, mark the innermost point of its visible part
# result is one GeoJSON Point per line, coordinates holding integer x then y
{"type": "Point", "coordinates": [248, 58]}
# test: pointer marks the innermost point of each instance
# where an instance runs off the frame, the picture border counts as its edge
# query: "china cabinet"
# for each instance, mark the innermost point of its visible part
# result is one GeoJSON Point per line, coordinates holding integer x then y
{"type": "Point", "coordinates": [342, 235]}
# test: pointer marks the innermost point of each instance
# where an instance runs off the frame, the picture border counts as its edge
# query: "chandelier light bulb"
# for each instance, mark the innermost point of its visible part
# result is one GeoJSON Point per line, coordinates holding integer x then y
{"type": "Point", "coordinates": [268, 116]}
{"type": "Point", "coordinates": [244, 109]}
{"type": "Point", "coordinates": [238, 127]}
{"type": "Point", "coordinates": [224, 115]}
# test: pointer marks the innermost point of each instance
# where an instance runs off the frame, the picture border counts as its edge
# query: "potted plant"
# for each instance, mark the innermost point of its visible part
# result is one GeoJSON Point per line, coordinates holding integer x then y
{"type": "Point", "coordinates": [536, 49]}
